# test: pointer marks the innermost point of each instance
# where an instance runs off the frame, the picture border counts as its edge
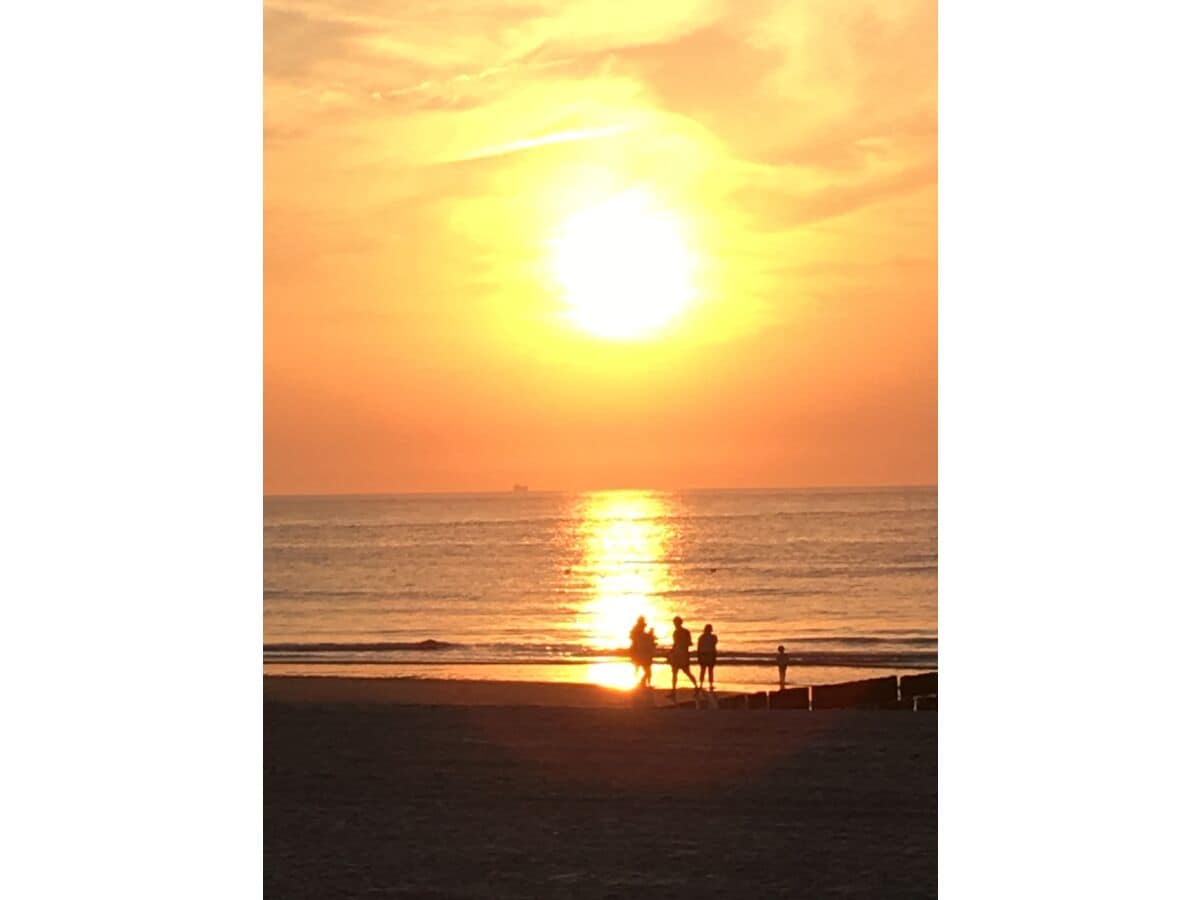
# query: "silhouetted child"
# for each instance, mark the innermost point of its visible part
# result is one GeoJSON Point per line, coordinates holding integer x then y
{"type": "Point", "coordinates": [706, 654]}
{"type": "Point", "coordinates": [649, 645]}
{"type": "Point", "coordinates": [781, 660]}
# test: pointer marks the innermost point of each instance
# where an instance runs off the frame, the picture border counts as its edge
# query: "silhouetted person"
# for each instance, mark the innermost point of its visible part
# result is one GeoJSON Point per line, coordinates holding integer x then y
{"type": "Point", "coordinates": [680, 650]}
{"type": "Point", "coordinates": [706, 655]}
{"type": "Point", "coordinates": [781, 660]}
{"type": "Point", "coordinates": [637, 642]}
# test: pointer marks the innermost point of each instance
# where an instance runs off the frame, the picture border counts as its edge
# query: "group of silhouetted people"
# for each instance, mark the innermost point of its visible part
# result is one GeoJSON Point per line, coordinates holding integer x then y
{"type": "Point", "coordinates": [643, 644]}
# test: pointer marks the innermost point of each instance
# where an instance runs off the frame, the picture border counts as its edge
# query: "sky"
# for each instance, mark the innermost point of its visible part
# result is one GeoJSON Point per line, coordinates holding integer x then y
{"type": "Point", "coordinates": [589, 245]}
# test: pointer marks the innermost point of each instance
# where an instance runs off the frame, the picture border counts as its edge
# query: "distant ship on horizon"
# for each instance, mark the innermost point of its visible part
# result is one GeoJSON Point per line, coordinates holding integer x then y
{"type": "Point", "coordinates": [520, 489]}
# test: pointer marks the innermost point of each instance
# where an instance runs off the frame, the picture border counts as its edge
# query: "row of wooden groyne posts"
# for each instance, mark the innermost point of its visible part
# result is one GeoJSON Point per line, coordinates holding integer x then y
{"type": "Point", "coordinates": [913, 692]}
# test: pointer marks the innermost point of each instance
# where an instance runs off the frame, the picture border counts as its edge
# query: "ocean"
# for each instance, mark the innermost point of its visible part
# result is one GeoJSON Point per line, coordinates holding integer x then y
{"type": "Point", "coordinates": [546, 586]}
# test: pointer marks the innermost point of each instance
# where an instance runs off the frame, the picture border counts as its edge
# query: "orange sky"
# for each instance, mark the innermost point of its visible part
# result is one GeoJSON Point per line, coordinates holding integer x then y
{"type": "Point", "coordinates": [423, 158]}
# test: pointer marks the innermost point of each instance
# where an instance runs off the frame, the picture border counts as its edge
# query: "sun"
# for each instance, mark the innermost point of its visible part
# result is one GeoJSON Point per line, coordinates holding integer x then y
{"type": "Point", "coordinates": [624, 267]}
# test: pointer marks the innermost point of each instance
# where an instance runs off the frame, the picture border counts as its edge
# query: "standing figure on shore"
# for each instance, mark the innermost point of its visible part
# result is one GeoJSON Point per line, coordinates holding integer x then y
{"type": "Point", "coordinates": [680, 651]}
{"type": "Point", "coordinates": [637, 643]}
{"type": "Point", "coordinates": [706, 654]}
{"type": "Point", "coordinates": [781, 660]}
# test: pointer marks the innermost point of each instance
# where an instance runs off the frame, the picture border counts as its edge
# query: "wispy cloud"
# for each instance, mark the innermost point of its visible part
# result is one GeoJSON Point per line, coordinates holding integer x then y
{"type": "Point", "coordinates": [777, 209]}
{"type": "Point", "coordinates": [544, 140]}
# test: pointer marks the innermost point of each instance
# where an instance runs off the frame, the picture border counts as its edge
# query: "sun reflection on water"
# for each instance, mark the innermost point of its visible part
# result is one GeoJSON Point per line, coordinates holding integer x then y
{"type": "Point", "coordinates": [626, 543]}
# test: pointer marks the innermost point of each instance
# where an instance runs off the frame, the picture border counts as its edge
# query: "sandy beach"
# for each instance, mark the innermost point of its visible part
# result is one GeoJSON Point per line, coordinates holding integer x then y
{"type": "Point", "coordinates": [421, 788]}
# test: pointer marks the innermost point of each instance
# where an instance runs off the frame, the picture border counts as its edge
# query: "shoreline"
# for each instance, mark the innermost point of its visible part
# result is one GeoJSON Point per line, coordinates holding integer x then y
{"type": "Point", "coordinates": [414, 690]}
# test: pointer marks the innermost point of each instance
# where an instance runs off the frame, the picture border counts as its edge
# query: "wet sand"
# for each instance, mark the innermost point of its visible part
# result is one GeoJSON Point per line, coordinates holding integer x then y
{"type": "Point", "coordinates": [440, 692]}
{"type": "Point", "coordinates": [413, 788]}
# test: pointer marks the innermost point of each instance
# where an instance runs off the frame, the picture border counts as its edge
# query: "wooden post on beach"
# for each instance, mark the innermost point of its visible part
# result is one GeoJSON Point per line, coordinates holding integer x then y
{"type": "Point", "coordinates": [789, 698]}
{"type": "Point", "coordinates": [878, 693]}
{"type": "Point", "coordinates": [912, 686]}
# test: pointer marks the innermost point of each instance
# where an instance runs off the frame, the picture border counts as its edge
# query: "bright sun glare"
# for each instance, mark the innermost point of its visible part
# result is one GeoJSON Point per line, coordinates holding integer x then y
{"type": "Point", "coordinates": [624, 267]}
{"type": "Point", "coordinates": [626, 544]}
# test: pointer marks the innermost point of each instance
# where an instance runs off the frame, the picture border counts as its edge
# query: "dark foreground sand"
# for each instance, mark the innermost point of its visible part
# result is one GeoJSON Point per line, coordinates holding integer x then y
{"type": "Point", "coordinates": [368, 794]}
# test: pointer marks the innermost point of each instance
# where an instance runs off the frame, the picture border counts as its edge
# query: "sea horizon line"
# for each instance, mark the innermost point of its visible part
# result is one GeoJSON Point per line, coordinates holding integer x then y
{"type": "Point", "coordinates": [524, 490]}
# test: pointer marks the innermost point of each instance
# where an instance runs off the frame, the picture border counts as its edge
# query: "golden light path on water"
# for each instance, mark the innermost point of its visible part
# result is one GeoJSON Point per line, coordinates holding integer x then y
{"type": "Point", "coordinates": [626, 545]}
